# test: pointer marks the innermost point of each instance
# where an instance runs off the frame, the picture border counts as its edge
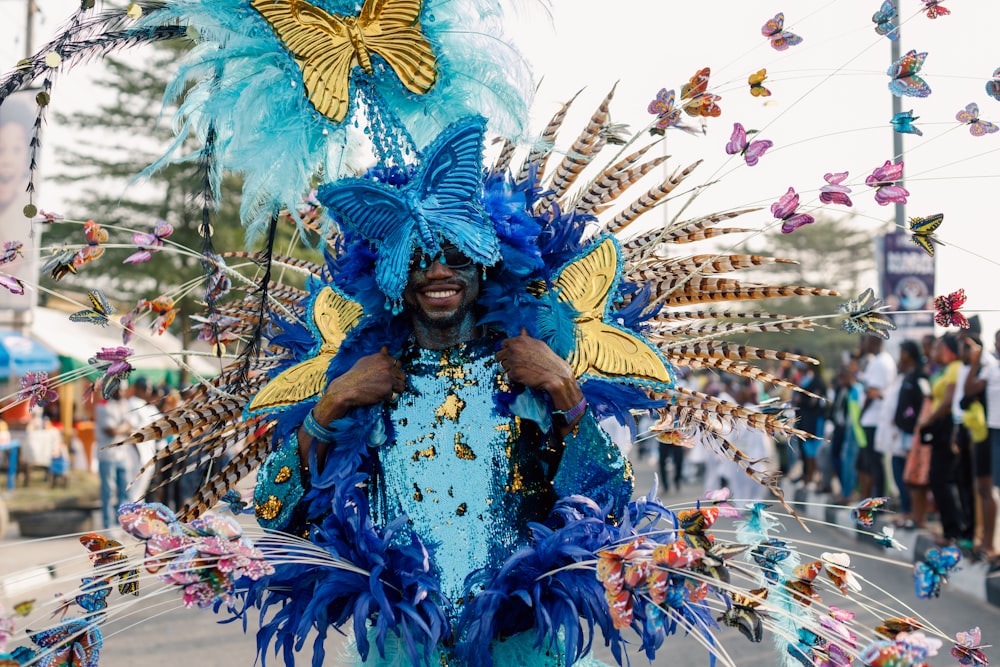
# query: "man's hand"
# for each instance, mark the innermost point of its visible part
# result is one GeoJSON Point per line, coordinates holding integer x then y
{"type": "Point", "coordinates": [372, 379]}
{"type": "Point", "coordinates": [532, 363]}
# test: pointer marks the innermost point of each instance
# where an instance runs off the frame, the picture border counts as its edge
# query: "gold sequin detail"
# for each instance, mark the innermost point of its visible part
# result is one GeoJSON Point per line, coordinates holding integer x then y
{"type": "Point", "coordinates": [455, 371]}
{"type": "Point", "coordinates": [428, 453]}
{"type": "Point", "coordinates": [284, 474]}
{"type": "Point", "coordinates": [516, 480]}
{"type": "Point", "coordinates": [462, 509]}
{"type": "Point", "coordinates": [451, 410]}
{"type": "Point", "coordinates": [268, 510]}
{"type": "Point", "coordinates": [417, 495]}
{"type": "Point", "coordinates": [462, 450]}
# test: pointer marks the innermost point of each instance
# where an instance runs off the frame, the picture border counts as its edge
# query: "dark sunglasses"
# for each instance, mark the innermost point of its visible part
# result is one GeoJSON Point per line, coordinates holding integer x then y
{"type": "Point", "coordinates": [449, 255]}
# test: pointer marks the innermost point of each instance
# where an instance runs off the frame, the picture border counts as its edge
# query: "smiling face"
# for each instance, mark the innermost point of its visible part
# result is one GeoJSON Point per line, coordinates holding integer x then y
{"type": "Point", "coordinates": [442, 301]}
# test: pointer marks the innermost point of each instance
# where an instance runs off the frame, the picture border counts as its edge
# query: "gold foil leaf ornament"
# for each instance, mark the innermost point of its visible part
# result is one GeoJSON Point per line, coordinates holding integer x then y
{"type": "Point", "coordinates": [602, 349]}
{"type": "Point", "coordinates": [327, 47]}
{"type": "Point", "coordinates": [335, 315]}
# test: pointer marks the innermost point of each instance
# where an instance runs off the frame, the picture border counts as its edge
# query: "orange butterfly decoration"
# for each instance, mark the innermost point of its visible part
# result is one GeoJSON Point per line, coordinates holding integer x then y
{"type": "Point", "coordinates": [657, 585]}
{"type": "Point", "coordinates": [695, 100]}
{"type": "Point", "coordinates": [894, 625]}
{"type": "Point", "coordinates": [636, 574]}
{"type": "Point", "coordinates": [108, 555]}
{"type": "Point", "coordinates": [620, 607]}
{"type": "Point", "coordinates": [756, 81]}
{"type": "Point", "coordinates": [96, 235]}
{"type": "Point", "coordinates": [677, 555]}
{"type": "Point", "coordinates": [163, 306]}
{"type": "Point", "coordinates": [611, 563]}
{"type": "Point", "coordinates": [802, 587]}
{"type": "Point", "coordinates": [698, 593]}
{"type": "Point", "coordinates": [838, 569]}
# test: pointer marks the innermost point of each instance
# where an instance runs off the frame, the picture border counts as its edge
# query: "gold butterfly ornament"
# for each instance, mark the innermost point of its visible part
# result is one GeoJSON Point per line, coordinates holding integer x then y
{"type": "Point", "coordinates": [328, 47]}
{"type": "Point", "coordinates": [604, 349]}
{"type": "Point", "coordinates": [334, 316]}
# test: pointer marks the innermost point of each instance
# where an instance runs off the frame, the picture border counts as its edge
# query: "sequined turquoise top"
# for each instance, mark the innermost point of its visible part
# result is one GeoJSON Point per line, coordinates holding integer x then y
{"type": "Point", "coordinates": [457, 468]}
{"type": "Point", "coordinates": [467, 473]}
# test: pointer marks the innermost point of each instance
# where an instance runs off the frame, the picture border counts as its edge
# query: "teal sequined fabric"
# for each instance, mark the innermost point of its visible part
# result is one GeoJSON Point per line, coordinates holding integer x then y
{"type": "Point", "coordinates": [457, 468]}
{"type": "Point", "coordinates": [279, 486]}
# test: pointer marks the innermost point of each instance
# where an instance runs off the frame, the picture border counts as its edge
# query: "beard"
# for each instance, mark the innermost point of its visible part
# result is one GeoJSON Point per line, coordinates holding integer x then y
{"type": "Point", "coordinates": [460, 315]}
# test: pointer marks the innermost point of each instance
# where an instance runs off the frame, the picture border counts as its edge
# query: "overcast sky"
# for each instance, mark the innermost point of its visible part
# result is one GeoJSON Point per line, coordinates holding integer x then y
{"type": "Point", "coordinates": [829, 110]}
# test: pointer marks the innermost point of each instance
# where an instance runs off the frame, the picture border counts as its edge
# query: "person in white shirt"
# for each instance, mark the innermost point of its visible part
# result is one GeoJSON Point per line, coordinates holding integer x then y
{"type": "Point", "coordinates": [141, 413]}
{"type": "Point", "coordinates": [878, 374]}
{"type": "Point", "coordinates": [754, 443]}
{"type": "Point", "coordinates": [117, 466]}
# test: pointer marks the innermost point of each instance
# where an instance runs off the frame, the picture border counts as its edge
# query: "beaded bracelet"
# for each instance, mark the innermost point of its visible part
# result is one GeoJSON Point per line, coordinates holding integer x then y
{"type": "Point", "coordinates": [317, 431]}
{"type": "Point", "coordinates": [563, 418]}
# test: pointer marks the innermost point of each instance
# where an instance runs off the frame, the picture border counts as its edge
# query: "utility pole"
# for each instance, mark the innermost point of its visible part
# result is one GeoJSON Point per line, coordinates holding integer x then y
{"type": "Point", "coordinates": [29, 28]}
{"type": "Point", "coordinates": [897, 137]}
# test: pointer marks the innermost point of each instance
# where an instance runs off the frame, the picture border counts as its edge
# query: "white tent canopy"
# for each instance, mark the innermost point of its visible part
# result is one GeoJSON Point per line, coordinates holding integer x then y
{"type": "Point", "coordinates": [80, 341]}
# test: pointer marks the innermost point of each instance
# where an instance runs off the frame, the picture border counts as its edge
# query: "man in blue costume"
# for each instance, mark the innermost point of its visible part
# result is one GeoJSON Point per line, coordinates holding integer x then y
{"type": "Point", "coordinates": [467, 474]}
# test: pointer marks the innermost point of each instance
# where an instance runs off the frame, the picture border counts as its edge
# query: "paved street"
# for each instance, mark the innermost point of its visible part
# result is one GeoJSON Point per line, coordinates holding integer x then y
{"type": "Point", "coordinates": [162, 634]}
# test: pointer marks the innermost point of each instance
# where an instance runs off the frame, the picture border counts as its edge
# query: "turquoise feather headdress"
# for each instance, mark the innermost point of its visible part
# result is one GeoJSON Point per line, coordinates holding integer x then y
{"type": "Point", "coordinates": [273, 90]}
{"type": "Point", "coordinates": [440, 202]}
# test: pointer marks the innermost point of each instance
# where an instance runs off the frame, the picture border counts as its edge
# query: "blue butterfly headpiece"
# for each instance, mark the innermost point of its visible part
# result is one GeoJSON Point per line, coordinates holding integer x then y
{"type": "Point", "coordinates": [440, 202]}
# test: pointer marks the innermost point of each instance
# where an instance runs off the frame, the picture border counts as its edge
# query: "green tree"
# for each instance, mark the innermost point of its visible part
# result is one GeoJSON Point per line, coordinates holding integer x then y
{"type": "Point", "coordinates": [833, 253]}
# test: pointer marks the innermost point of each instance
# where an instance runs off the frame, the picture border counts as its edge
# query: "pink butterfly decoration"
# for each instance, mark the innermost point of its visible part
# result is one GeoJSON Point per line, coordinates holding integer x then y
{"type": "Point", "coordinates": [751, 151]}
{"type": "Point", "coordinates": [149, 243]}
{"type": "Point", "coordinates": [36, 390]}
{"type": "Point", "coordinates": [836, 623]}
{"type": "Point", "coordinates": [216, 328]}
{"type": "Point", "coordinates": [968, 649]}
{"type": "Point", "coordinates": [934, 9]}
{"type": "Point", "coordinates": [834, 192]}
{"type": "Point", "coordinates": [114, 361]}
{"type": "Point", "coordinates": [781, 39]}
{"type": "Point", "coordinates": [12, 284]}
{"type": "Point", "coordinates": [720, 498]}
{"type": "Point", "coordinates": [663, 108]}
{"type": "Point", "coordinates": [947, 308]}
{"type": "Point", "coordinates": [49, 218]}
{"type": "Point", "coordinates": [970, 116]}
{"type": "Point", "coordinates": [11, 251]}
{"type": "Point", "coordinates": [993, 85]}
{"type": "Point", "coordinates": [883, 179]}
{"type": "Point", "coordinates": [128, 321]}
{"type": "Point", "coordinates": [919, 639]}
{"type": "Point", "coordinates": [784, 209]}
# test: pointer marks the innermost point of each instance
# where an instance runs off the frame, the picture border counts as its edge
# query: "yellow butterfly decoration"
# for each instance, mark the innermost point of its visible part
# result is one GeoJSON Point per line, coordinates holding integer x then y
{"type": "Point", "coordinates": [756, 81]}
{"type": "Point", "coordinates": [327, 47]}
{"type": "Point", "coordinates": [335, 315]}
{"type": "Point", "coordinates": [602, 349]}
{"type": "Point", "coordinates": [922, 231]}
